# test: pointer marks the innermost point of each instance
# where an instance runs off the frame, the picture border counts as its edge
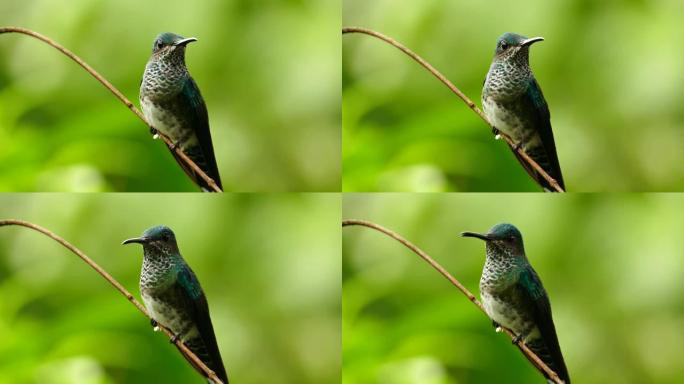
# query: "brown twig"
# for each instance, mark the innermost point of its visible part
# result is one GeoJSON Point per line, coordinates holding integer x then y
{"type": "Point", "coordinates": [461, 95]}
{"type": "Point", "coordinates": [196, 362]}
{"type": "Point", "coordinates": [119, 96]}
{"type": "Point", "coordinates": [531, 356]}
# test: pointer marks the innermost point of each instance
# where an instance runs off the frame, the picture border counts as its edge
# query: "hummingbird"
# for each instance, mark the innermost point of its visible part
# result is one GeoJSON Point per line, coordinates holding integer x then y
{"type": "Point", "coordinates": [513, 296]}
{"type": "Point", "coordinates": [514, 104]}
{"type": "Point", "coordinates": [174, 298]}
{"type": "Point", "coordinates": [172, 104]}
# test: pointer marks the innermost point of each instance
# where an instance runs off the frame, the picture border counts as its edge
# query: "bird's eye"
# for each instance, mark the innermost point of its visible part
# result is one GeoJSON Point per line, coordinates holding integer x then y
{"type": "Point", "coordinates": [158, 44]}
{"type": "Point", "coordinates": [165, 237]}
{"type": "Point", "coordinates": [504, 45]}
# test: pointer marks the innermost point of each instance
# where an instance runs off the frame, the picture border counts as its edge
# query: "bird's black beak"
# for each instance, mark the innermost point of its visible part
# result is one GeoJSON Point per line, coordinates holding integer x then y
{"type": "Point", "coordinates": [531, 41]}
{"type": "Point", "coordinates": [476, 235]}
{"type": "Point", "coordinates": [138, 240]}
{"type": "Point", "coordinates": [184, 41]}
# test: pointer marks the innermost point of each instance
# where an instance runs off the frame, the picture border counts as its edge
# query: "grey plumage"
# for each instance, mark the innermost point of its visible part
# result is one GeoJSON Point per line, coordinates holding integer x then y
{"type": "Point", "coordinates": [173, 104]}
{"type": "Point", "coordinates": [514, 297]}
{"type": "Point", "coordinates": [174, 297]}
{"type": "Point", "coordinates": [514, 103]}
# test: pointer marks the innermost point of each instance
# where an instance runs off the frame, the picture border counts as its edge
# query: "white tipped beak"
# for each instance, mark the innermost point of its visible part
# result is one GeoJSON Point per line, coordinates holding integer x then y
{"type": "Point", "coordinates": [531, 41]}
{"type": "Point", "coordinates": [185, 41]}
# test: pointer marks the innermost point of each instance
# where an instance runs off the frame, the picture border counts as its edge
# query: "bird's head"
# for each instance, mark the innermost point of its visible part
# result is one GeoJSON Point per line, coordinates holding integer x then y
{"type": "Point", "coordinates": [503, 237]}
{"type": "Point", "coordinates": [159, 239]}
{"type": "Point", "coordinates": [514, 46]}
{"type": "Point", "coordinates": [169, 44]}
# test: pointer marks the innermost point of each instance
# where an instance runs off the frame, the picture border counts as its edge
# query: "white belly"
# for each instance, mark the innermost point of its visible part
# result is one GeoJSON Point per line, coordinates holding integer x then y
{"type": "Point", "coordinates": [508, 317]}
{"type": "Point", "coordinates": [508, 123]}
{"type": "Point", "coordinates": [167, 124]}
{"type": "Point", "coordinates": [169, 317]}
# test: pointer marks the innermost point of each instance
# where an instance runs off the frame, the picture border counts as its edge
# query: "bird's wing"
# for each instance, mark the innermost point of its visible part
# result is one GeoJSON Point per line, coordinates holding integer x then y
{"type": "Point", "coordinates": [534, 298]}
{"type": "Point", "coordinates": [192, 107]}
{"type": "Point", "coordinates": [535, 106]}
{"type": "Point", "coordinates": [194, 298]}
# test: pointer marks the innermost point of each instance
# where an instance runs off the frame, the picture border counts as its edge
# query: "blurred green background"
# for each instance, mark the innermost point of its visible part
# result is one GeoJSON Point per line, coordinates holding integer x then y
{"type": "Point", "coordinates": [269, 265]}
{"type": "Point", "coordinates": [269, 72]}
{"type": "Point", "coordinates": [612, 266]}
{"type": "Point", "coordinates": [611, 72]}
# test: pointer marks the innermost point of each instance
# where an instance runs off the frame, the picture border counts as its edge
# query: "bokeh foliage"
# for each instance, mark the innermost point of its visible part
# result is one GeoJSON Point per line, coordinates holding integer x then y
{"type": "Point", "coordinates": [611, 265]}
{"type": "Point", "coordinates": [269, 73]}
{"type": "Point", "coordinates": [611, 73]}
{"type": "Point", "coordinates": [269, 265]}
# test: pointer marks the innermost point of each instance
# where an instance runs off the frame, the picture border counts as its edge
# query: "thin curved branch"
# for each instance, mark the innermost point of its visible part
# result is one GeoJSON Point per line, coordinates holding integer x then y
{"type": "Point", "coordinates": [119, 96]}
{"type": "Point", "coordinates": [196, 362]}
{"type": "Point", "coordinates": [458, 93]}
{"type": "Point", "coordinates": [531, 356]}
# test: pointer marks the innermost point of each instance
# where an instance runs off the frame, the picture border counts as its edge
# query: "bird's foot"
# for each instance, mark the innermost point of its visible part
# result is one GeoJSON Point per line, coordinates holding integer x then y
{"type": "Point", "coordinates": [497, 326]}
{"type": "Point", "coordinates": [154, 324]}
{"type": "Point", "coordinates": [517, 147]}
{"type": "Point", "coordinates": [519, 338]}
{"type": "Point", "coordinates": [154, 133]}
{"type": "Point", "coordinates": [175, 338]}
{"type": "Point", "coordinates": [497, 133]}
{"type": "Point", "coordinates": [175, 145]}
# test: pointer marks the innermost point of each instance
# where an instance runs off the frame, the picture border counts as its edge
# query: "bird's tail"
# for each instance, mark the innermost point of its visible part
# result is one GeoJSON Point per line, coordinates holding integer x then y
{"type": "Point", "coordinates": [200, 161]}
{"type": "Point", "coordinates": [553, 359]}
{"type": "Point", "coordinates": [211, 360]}
{"type": "Point", "coordinates": [551, 168]}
